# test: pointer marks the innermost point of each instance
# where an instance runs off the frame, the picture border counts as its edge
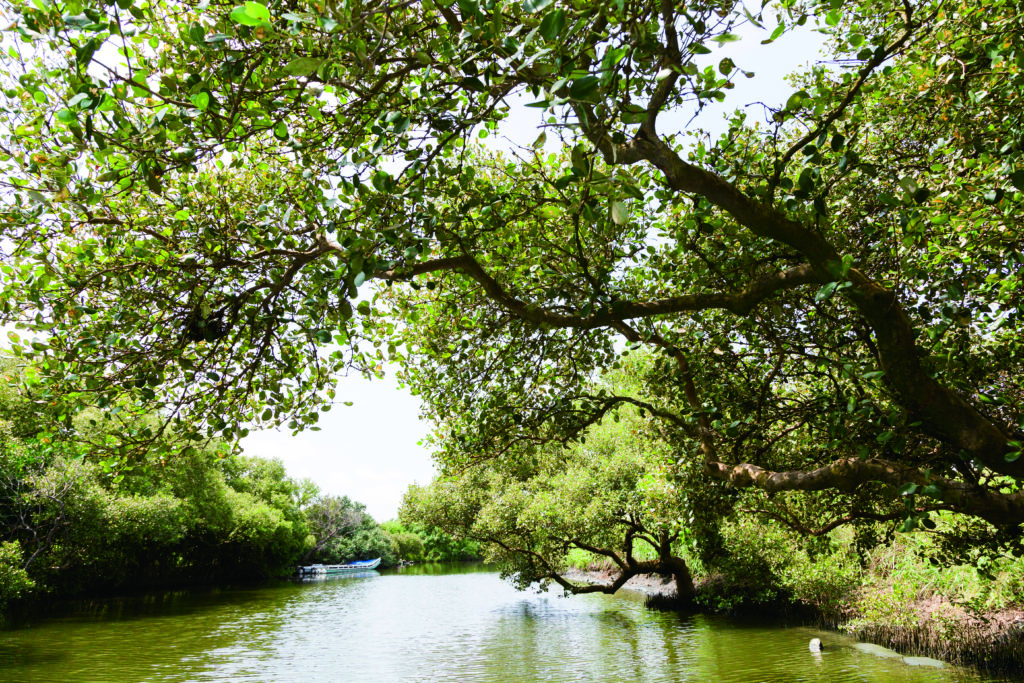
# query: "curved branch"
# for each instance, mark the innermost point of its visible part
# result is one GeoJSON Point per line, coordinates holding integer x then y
{"type": "Point", "coordinates": [846, 474]}
{"type": "Point", "coordinates": [740, 303]}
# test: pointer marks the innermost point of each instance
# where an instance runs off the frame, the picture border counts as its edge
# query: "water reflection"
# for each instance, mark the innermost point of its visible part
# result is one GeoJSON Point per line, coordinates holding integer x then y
{"type": "Point", "coordinates": [422, 624]}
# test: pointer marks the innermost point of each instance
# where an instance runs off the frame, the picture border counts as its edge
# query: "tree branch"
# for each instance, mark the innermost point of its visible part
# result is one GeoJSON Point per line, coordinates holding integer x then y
{"type": "Point", "coordinates": [846, 474]}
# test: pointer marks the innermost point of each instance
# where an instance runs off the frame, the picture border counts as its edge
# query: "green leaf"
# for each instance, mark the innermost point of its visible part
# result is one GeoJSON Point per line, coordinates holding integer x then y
{"type": "Point", "coordinates": [726, 38]}
{"type": "Point", "coordinates": [363, 308]}
{"type": "Point", "coordinates": [584, 88]}
{"type": "Point", "coordinates": [796, 100]}
{"type": "Point", "coordinates": [302, 66]}
{"type": "Point", "coordinates": [345, 308]}
{"type": "Point", "coordinates": [196, 33]}
{"type": "Point", "coordinates": [1017, 178]}
{"type": "Point", "coordinates": [66, 116]}
{"type": "Point", "coordinates": [201, 100]}
{"type": "Point", "coordinates": [907, 489]}
{"type": "Point", "coordinates": [240, 15]}
{"type": "Point", "coordinates": [257, 11]}
{"type": "Point", "coordinates": [909, 184]}
{"type": "Point", "coordinates": [552, 24]}
{"type": "Point", "coordinates": [323, 336]}
{"type": "Point", "coordinates": [932, 490]}
{"type": "Point", "coordinates": [779, 30]}
{"type": "Point", "coordinates": [281, 131]}
{"type": "Point", "coordinates": [993, 196]}
{"type": "Point", "coordinates": [619, 213]}
{"type": "Point", "coordinates": [152, 181]}
{"type": "Point", "coordinates": [826, 292]}
{"type": "Point", "coordinates": [473, 83]}
{"type": "Point", "coordinates": [536, 5]}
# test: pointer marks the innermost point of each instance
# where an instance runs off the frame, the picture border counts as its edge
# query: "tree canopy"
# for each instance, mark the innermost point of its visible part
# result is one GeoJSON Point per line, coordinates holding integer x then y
{"type": "Point", "coordinates": [614, 495]}
{"type": "Point", "coordinates": [219, 209]}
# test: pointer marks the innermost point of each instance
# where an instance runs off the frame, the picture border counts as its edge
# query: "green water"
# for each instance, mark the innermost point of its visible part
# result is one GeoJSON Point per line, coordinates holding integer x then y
{"type": "Point", "coordinates": [422, 624]}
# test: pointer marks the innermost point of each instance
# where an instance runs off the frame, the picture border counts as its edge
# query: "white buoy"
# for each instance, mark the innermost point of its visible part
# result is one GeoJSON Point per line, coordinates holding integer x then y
{"type": "Point", "coordinates": [815, 645]}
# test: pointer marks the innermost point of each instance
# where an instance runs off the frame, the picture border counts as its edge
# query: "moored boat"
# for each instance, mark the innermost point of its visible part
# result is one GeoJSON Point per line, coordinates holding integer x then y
{"type": "Point", "coordinates": [362, 565]}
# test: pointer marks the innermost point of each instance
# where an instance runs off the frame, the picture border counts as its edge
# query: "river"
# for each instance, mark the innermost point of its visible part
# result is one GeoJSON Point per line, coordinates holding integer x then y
{"type": "Point", "coordinates": [425, 623]}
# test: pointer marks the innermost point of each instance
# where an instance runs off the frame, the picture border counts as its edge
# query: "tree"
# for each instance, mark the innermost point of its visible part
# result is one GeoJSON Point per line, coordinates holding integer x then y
{"type": "Point", "coordinates": [75, 518]}
{"type": "Point", "coordinates": [834, 289]}
{"type": "Point", "coordinates": [330, 516]}
{"type": "Point", "coordinates": [612, 496]}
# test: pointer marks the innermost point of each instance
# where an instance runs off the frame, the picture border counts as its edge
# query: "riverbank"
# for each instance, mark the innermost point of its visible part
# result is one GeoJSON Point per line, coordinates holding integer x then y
{"type": "Point", "coordinates": [933, 627]}
{"type": "Point", "coordinates": [648, 585]}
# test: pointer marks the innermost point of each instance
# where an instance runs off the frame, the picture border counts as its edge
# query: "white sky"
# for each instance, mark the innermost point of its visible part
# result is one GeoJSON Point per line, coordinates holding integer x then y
{"type": "Point", "coordinates": [370, 451]}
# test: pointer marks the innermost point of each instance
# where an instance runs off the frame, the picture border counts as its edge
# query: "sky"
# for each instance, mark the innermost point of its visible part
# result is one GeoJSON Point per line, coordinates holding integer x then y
{"type": "Point", "coordinates": [371, 451]}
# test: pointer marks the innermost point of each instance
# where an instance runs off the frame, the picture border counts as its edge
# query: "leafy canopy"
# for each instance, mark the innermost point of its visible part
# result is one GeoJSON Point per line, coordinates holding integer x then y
{"type": "Point", "coordinates": [201, 197]}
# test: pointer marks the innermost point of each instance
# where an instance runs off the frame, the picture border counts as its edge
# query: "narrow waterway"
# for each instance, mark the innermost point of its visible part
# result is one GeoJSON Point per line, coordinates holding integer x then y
{"type": "Point", "coordinates": [423, 624]}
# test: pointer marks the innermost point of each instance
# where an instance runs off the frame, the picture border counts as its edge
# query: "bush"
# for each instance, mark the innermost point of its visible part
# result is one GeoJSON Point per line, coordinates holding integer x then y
{"type": "Point", "coordinates": [410, 546]}
{"type": "Point", "coordinates": [14, 581]}
{"type": "Point", "coordinates": [750, 568]}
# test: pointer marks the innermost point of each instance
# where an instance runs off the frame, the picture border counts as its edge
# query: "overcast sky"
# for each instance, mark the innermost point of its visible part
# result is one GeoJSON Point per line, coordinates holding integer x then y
{"type": "Point", "coordinates": [371, 451]}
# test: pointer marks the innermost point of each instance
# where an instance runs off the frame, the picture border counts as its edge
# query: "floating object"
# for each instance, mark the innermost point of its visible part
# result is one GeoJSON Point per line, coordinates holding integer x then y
{"type": "Point", "coordinates": [923, 661]}
{"type": "Point", "coordinates": [815, 645]}
{"type": "Point", "coordinates": [314, 569]}
{"type": "Point", "coordinates": [877, 650]}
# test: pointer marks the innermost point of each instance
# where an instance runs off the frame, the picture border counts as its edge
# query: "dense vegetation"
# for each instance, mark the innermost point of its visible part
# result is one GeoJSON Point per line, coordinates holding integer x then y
{"type": "Point", "coordinates": [613, 504]}
{"type": "Point", "coordinates": [212, 212]}
{"type": "Point", "coordinates": [74, 521]}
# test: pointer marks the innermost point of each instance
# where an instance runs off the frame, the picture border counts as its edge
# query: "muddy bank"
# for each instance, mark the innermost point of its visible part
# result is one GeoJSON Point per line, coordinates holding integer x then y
{"type": "Point", "coordinates": [936, 627]}
{"type": "Point", "coordinates": [928, 627]}
{"type": "Point", "coordinates": [650, 585]}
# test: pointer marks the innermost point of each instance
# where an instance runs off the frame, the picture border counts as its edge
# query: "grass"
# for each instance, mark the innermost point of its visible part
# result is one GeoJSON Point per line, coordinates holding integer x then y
{"type": "Point", "coordinates": [587, 561]}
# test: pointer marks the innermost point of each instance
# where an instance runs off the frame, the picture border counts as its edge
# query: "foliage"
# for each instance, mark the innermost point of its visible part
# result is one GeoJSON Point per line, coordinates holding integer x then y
{"type": "Point", "coordinates": [219, 210]}
{"type": "Point", "coordinates": [410, 544]}
{"type": "Point", "coordinates": [344, 532]}
{"type": "Point", "coordinates": [331, 516]}
{"type": "Point", "coordinates": [14, 580]}
{"type": "Point", "coordinates": [363, 544]}
{"type": "Point", "coordinates": [73, 518]}
{"type": "Point", "coordinates": [437, 545]}
{"type": "Point", "coordinates": [532, 509]}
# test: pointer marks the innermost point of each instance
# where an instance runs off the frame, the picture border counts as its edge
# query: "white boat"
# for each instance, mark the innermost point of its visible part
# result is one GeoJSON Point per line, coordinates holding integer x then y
{"type": "Point", "coordinates": [362, 565]}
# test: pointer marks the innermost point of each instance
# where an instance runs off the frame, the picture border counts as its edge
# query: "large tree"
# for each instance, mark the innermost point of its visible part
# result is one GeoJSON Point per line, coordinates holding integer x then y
{"type": "Point", "coordinates": [198, 196]}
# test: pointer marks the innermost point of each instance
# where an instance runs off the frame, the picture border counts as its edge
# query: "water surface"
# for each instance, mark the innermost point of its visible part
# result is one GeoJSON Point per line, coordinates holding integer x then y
{"type": "Point", "coordinates": [424, 624]}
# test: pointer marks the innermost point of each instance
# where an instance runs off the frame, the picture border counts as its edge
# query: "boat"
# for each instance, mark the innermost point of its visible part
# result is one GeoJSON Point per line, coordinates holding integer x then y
{"type": "Point", "coordinates": [362, 565]}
